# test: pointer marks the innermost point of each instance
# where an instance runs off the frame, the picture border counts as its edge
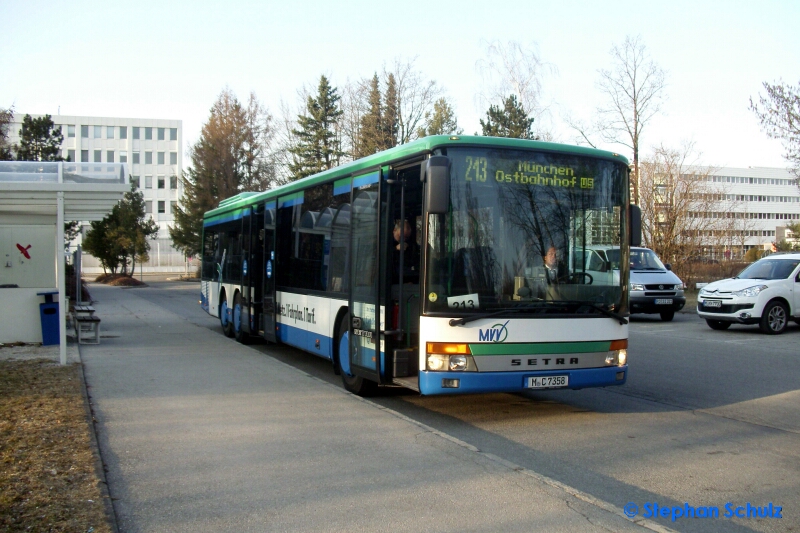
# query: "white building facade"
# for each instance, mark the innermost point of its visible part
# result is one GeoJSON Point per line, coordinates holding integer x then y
{"type": "Point", "coordinates": [152, 148]}
{"type": "Point", "coordinates": [765, 199]}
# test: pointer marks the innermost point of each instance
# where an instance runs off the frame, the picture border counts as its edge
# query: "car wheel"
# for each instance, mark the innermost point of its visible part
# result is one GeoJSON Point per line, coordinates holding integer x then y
{"type": "Point", "coordinates": [718, 324]}
{"type": "Point", "coordinates": [774, 319]}
{"type": "Point", "coordinates": [667, 316]}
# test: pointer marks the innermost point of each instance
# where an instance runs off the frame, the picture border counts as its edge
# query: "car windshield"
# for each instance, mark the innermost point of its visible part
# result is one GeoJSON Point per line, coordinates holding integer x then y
{"type": "Point", "coordinates": [770, 269]}
{"type": "Point", "coordinates": [644, 259]}
{"type": "Point", "coordinates": [520, 230]}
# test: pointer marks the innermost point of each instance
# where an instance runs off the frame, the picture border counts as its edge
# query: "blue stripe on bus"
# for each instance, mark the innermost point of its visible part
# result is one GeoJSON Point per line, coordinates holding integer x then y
{"type": "Point", "coordinates": [366, 179]}
{"type": "Point", "coordinates": [305, 340]}
{"type": "Point", "coordinates": [270, 205]}
{"type": "Point", "coordinates": [480, 382]}
{"type": "Point", "coordinates": [236, 215]}
{"type": "Point", "coordinates": [291, 200]}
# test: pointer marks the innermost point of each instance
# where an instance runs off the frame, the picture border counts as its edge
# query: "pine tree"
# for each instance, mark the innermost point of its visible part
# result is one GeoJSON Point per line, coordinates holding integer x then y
{"type": "Point", "coordinates": [318, 146]}
{"type": "Point", "coordinates": [441, 122]}
{"type": "Point", "coordinates": [6, 116]}
{"type": "Point", "coordinates": [231, 156]}
{"type": "Point", "coordinates": [371, 131]}
{"type": "Point", "coordinates": [38, 140]}
{"type": "Point", "coordinates": [510, 121]}
{"type": "Point", "coordinates": [391, 114]}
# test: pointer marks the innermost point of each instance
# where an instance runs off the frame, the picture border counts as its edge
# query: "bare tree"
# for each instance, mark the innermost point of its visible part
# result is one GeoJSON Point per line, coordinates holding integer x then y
{"type": "Point", "coordinates": [634, 87]}
{"type": "Point", "coordinates": [416, 96]}
{"type": "Point", "coordinates": [678, 201]}
{"type": "Point", "coordinates": [779, 113]}
{"type": "Point", "coordinates": [513, 68]}
{"type": "Point", "coordinates": [354, 105]}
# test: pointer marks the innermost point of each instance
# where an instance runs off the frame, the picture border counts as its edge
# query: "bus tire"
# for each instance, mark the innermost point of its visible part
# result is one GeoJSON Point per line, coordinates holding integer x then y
{"type": "Point", "coordinates": [238, 332]}
{"type": "Point", "coordinates": [355, 384]}
{"type": "Point", "coordinates": [224, 316]}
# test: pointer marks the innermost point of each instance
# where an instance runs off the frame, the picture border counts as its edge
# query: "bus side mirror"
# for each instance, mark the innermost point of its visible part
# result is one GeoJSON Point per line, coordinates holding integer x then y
{"type": "Point", "coordinates": [635, 218]}
{"type": "Point", "coordinates": [437, 192]}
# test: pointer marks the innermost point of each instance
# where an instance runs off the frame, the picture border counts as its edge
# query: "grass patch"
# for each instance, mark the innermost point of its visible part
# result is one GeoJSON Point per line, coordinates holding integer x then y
{"type": "Point", "coordinates": [48, 480]}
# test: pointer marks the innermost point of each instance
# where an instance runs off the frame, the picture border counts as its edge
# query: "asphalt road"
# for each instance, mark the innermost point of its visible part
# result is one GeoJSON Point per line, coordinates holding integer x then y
{"type": "Point", "coordinates": [707, 418]}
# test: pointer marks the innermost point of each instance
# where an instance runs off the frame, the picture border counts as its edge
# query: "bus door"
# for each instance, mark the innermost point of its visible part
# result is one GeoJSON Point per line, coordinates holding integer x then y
{"type": "Point", "coordinates": [365, 311]}
{"type": "Point", "coordinates": [267, 237]}
{"type": "Point", "coordinates": [402, 272]}
{"type": "Point", "coordinates": [252, 280]}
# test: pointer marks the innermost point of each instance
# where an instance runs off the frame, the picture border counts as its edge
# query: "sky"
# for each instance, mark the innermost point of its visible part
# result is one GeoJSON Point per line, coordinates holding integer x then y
{"type": "Point", "coordinates": [171, 59]}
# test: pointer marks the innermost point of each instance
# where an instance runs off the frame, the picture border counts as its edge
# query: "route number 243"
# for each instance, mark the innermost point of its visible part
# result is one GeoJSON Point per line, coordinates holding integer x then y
{"type": "Point", "coordinates": [476, 169]}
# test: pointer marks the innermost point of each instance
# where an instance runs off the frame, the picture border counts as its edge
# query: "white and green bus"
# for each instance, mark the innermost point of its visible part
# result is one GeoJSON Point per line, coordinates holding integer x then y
{"type": "Point", "coordinates": [423, 266]}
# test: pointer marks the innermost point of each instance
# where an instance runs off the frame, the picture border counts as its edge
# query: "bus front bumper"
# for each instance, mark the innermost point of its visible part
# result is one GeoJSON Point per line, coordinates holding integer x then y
{"type": "Point", "coordinates": [483, 382]}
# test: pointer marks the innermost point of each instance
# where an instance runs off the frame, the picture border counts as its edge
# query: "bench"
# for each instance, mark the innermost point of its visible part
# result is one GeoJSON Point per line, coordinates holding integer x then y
{"type": "Point", "coordinates": [88, 329]}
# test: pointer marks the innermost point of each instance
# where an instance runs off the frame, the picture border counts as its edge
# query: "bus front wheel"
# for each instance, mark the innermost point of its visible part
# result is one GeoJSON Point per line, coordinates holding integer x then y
{"type": "Point", "coordinates": [355, 384]}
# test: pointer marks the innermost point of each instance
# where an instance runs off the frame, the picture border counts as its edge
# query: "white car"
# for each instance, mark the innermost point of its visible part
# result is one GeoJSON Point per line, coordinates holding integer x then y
{"type": "Point", "coordinates": [766, 293]}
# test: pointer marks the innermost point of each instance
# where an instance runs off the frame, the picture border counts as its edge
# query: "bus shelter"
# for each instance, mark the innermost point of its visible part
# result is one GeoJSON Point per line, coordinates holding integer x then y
{"type": "Point", "coordinates": [36, 198]}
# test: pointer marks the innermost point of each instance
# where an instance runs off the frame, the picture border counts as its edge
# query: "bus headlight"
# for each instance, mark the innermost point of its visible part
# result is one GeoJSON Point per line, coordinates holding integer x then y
{"type": "Point", "coordinates": [444, 357]}
{"type": "Point", "coordinates": [617, 353]}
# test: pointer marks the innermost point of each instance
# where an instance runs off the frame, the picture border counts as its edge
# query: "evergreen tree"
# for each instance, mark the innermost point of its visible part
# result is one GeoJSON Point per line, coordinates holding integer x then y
{"type": "Point", "coordinates": [38, 140]}
{"type": "Point", "coordinates": [371, 134]}
{"type": "Point", "coordinates": [391, 114]}
{"type": "Point", "coordinates": [441, 122]}
{"type": "Point", "coordinates": [6, 116]}
{"type": "Point", "coordinates": [231, 156]}
{"type": "Point", "coordinates": [318, 146]}
{"type": "Point", "coordinates": [510, 121]}
{"type": "Point", "coordinates": [121, 238]}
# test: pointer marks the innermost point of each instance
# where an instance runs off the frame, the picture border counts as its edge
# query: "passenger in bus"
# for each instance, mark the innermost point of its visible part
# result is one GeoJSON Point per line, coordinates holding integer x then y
{"type": "Point", "coordinates": [555, 269]}
{"type": "Point", "coordinates": [404, 238]}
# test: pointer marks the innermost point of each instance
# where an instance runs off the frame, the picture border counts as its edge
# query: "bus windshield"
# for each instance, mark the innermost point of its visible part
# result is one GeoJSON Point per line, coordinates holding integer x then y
{"type": "Point", "coordinates": [520, 231]}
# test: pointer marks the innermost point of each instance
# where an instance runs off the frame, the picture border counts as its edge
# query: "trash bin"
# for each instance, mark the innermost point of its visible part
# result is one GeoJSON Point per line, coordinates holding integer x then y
{"type": "Point", "coordinates": [48, 313]}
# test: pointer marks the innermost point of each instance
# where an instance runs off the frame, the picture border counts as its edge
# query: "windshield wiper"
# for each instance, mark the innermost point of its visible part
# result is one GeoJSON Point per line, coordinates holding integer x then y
{"type": "Point", "coordinates": [464, 320]}
{"type": "Point", "coordinates": [609, 313]}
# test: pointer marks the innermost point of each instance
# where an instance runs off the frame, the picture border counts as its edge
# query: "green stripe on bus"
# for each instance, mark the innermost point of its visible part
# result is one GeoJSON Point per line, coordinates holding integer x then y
{"type": "Point", "coordinates": [492, 348]}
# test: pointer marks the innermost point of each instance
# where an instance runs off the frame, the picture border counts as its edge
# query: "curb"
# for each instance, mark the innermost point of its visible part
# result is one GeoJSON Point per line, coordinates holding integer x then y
{"type": "Point", "coordinates": [99, 465]}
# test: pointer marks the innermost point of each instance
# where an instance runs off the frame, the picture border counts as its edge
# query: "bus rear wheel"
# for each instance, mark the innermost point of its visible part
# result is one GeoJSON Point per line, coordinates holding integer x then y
{"type": "Point", "coordinates": [355, 384]}
{"type": "Point", "coordinates": [225, 316]}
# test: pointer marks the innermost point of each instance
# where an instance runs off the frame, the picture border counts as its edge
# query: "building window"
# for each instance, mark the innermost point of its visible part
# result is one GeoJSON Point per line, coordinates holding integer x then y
{"type": "Point", "coordinates": [71, 155]}
{"type": "Point", "coordinates": [136, 132]}
{"type": "Point", "coordinates": [84, 156]}
{"type": "Point", "coordinates": [148, 134]}
{"type": "Point", "coordinates": [148, 208]}
{"type": "Point", "coordinates": [135, 181]}
{"type": "Point", "coordinates": [123, 156]}
{"type": "Point", "coordinates": [173, 182]}
{"type": "Point", "coordinates": [173, 158]}
{"type": "Point", "coordinates": [98, 156]}
{"type": "Point", "coordinates": [123, 132]}
{"type": "Point", "coordinates": [135, 158]}
{"type": "Point", "coordinates": [161, 134]}
{"type": "Point", "coordinates": [109, 156]}
{"type": "Point", "coordinates": [109, 132]}
{"type": "Point", "coordinates": [161, 182]}
{"type": "Point", "coordinates": [148, 158]}
{"type": "Point", "coordinates": [148, 182]}
{"type": "Point", "coordinates": [71, 130]}
{"type": "Point", "coordinates": [173, 134]}
{"type": "Point", "coordinates": [98, 132]}
{"type": "Point", "coordinates": [85, 132]}
{"type": "Point", "coordinates": [162, 206]}
{"type": "Point", "coordinates": [160, 158]}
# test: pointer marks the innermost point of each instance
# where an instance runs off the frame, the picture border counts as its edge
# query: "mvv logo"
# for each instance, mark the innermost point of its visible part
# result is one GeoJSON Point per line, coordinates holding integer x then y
{"type": "Point", "coordinates": [497, 333]}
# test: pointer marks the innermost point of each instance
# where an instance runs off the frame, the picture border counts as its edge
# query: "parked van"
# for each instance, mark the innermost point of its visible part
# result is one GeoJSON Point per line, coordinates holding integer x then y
{"type": "Point", "coordinates": [654, 288]}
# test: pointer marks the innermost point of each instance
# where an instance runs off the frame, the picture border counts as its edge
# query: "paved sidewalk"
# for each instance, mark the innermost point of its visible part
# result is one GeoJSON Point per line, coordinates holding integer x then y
{"type": "Point", "coordinates": [202, 434]}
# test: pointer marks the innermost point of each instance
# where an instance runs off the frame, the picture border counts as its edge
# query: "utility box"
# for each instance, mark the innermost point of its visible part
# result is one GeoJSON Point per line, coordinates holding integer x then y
{"type": "Point", "coordinates": [48, 313]}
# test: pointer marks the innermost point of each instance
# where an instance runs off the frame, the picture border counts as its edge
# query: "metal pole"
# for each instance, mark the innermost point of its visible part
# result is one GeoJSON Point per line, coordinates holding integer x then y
{"type": "Point", "coordinates": [61, 278]}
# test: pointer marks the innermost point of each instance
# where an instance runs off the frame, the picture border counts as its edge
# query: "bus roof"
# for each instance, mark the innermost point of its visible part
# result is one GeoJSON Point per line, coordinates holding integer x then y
{"type": "Point", "coordinates": [398, 153]}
